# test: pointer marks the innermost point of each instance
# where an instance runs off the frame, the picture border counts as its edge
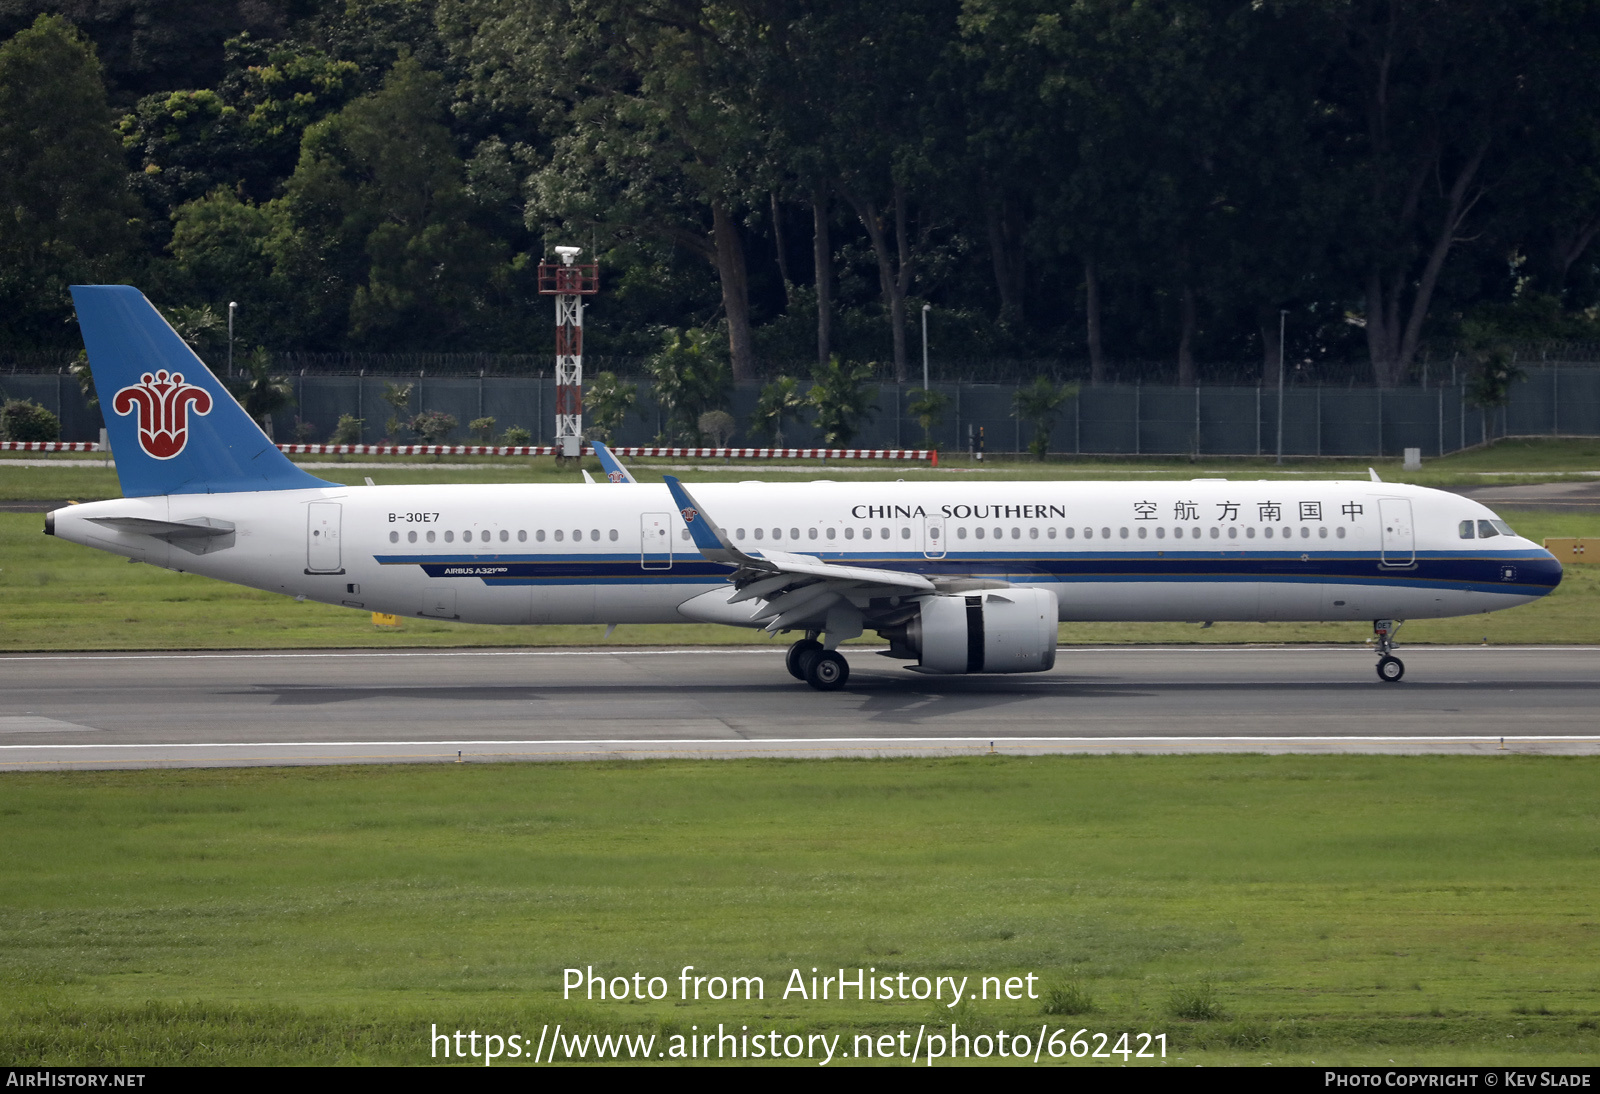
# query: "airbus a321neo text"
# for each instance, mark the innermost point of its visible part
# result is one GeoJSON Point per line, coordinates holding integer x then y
{"type": "Point", "coordinates": [958, 577]}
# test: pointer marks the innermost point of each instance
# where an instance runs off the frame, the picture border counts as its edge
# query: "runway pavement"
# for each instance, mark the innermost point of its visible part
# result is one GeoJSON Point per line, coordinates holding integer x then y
{"type": "Point", "coordinates": [237, 709]}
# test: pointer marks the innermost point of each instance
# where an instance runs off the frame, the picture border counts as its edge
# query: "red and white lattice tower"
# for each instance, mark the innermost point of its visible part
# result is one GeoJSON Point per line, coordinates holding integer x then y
{"type": "Point", "coordinates": [569, 283]}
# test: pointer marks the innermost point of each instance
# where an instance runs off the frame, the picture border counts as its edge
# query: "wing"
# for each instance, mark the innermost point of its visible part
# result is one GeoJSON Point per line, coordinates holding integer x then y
{"type": "Point", "coordinates": [793, 588]}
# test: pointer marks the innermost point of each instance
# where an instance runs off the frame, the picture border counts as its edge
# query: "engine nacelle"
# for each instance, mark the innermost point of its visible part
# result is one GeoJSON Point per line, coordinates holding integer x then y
{"type": "Point", "coordinates": [996, 630]}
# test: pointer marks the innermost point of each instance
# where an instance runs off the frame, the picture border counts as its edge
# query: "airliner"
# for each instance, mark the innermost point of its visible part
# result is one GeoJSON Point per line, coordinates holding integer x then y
{"type": "Point", "coordinates": [957, 577]}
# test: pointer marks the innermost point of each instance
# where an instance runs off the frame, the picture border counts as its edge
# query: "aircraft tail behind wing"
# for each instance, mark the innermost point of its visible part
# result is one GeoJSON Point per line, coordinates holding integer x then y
{"type": "Point", "coordinates": [174, 428]}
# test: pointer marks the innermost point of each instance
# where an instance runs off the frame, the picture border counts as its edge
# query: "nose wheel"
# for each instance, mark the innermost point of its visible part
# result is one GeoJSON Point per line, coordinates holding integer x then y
{"type": "Point", "coordinates": [1390, 667]}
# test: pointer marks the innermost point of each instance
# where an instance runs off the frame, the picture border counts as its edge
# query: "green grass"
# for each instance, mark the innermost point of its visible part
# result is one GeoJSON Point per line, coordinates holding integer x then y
{"type": "Point", "coordinates": [1350, 910]}
{"type": "Point", "coordinates": [56, 595]}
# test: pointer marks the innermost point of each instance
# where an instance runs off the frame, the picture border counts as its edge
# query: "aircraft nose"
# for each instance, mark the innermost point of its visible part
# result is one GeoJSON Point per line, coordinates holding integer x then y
{"type": "Point", "coordinates": [1545, 571]}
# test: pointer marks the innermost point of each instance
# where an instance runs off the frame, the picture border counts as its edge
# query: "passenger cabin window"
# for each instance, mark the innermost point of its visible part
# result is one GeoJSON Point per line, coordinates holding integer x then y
{"type": "Point", "coordinates": [522, 535]}
{"type": "Point", "coordinates": [539, 535]}
{"type": "Point", "coordinates": [449, 537]}
{"type": "Point", "coordinates": [411, 537]}
{"type": "Point", "coordinates": [394, 537]}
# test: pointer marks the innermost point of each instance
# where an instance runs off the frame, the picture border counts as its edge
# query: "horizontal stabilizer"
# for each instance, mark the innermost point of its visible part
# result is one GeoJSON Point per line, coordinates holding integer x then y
{"type": "Point", "coordinates": [199, 536]}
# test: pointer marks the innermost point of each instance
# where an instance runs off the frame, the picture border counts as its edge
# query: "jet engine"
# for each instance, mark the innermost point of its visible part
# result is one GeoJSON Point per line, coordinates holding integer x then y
{"type": "Point", "coordinates": [995, 630]}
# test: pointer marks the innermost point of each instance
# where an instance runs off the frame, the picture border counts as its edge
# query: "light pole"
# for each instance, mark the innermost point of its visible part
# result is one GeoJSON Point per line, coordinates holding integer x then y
{"type": "Point", "coordinates": [233, 306]}
{"type": "Point", "coordinates": [925, 309]}
{"type": "Point", "coordinates": [1283, 315]}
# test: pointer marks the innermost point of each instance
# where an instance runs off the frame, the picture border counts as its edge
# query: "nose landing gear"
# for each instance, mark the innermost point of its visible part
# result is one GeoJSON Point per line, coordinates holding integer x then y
{"type": "Point", "coordinates": [1390, 667]}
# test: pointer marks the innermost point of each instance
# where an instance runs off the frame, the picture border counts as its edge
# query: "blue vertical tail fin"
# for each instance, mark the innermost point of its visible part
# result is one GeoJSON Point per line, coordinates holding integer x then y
{"type": "Point", "coordinates": [174, 428]}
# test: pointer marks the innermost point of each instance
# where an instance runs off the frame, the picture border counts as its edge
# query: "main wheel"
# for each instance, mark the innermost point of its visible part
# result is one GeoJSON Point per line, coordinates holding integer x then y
{"type": "Point", "coordinates": [827, 671]}
{"type": "Point", "coordinates": [795, 661]}
{"type": "Point", "coordinates": [1390, 669]}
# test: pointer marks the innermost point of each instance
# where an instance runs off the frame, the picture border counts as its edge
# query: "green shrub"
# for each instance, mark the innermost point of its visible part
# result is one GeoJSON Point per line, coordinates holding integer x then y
{"type": "Point", "coordinates": [21, 420]}
{"type": "Point", "coordinates": [348, 431]}
{"type": "Point", "coordinates": [1068, 997]}
{"type": "Point", "coordinates": [516, 435]}
{"type": "Point", "coordinates": [433, 426]}
{"type": "Point", "coordinates": [1196, 1002]}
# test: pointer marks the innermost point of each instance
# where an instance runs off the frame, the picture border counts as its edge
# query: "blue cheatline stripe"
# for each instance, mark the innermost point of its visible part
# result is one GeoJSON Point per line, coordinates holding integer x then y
{"type": "Point", "coordinates": [1531, 573]}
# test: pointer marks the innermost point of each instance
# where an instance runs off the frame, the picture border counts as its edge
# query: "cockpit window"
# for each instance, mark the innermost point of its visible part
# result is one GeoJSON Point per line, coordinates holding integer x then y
{"type": "Point", "coordinates": [1486, 529]}
{"type": "Point", "coordinates": [1468, 529]}
{"type": "Point", "coordinates": [1505, 529]}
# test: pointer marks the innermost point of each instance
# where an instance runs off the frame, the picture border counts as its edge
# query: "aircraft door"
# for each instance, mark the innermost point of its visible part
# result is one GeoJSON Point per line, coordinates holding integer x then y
{"type": "Point", "coordinates": [322, 537]}
{"type": "Point", "coordinates": [1399, 538]}
{"type": "Point", "coordinates": [655, 541]}
{"type": "Point", "coordinates": [933, 545]}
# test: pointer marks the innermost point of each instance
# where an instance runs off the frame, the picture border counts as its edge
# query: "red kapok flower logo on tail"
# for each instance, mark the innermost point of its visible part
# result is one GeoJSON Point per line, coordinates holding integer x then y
{"type": "Point", "coordinates": [162, 403]}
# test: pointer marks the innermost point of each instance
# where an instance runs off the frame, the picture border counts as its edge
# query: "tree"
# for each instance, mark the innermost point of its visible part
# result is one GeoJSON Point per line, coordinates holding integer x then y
{"type": "Point", "coordinates": [482, 429]}
{"type": "Point", "coordinates": [841, 399]}
{"type": "Point", "coordinates": [65, 213]}
{"type": "Point", "coordinates": [854, 93]}
{"type": "Point", "coordinates": [717, 425]}
{"type": "Point", "coordinates": [927, 407]}
{"type": "Point", "coordinates": [1038, 404]}
{"type": "Point", "coordinates": [380, 233]}
{"type": "Point", "coordinates": [399, 397]}
{"type": "Point", "coordinates": [645, 109]}
{"type": "Point", "coordinates": [689, 380]}
{"type": "Point", "coordinates": [1493, 368]}
{"type": "Point", "coordinates": [779, 399]}
{"type": "Point", "coordinates": [199, 326]}
{"type": "Point", "coordinates": [607, 404]}
{"type": "Point", "coordinates": [260, 392]}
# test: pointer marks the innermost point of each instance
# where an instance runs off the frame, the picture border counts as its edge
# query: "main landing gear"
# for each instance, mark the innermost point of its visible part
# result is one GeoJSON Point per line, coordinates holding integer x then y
{"type": "Point", "coordinates": [822, 668]}
{"type": "Point", "coordinates": [1390, 667]}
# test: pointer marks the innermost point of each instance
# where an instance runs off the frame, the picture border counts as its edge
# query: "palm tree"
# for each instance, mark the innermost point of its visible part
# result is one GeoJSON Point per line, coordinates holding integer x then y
{"type": "Point", "coordinates": [840, 399]}
{"type": "Point", "coordinates": [1039, 404]}
{"type": "Point", "coordinates": [927, 407]}
{"type": "Point", "coordinates": [260, 393]}
{"type": "Point", "coordinates": [779, 400]}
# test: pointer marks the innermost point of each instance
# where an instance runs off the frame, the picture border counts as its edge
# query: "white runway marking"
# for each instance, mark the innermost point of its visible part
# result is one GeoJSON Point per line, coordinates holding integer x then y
{"type": "Point", "coordinates": [866, 742]}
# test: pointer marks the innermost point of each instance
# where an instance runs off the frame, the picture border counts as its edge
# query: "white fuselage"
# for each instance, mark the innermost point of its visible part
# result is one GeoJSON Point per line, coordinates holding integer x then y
{"type": "Point", "coordinates": [528, 554]}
